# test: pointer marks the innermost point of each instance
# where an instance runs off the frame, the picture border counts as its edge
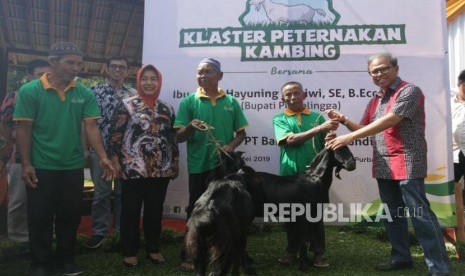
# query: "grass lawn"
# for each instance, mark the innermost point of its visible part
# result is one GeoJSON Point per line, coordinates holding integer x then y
{"type": "Point", "coordinates": [351, 251]}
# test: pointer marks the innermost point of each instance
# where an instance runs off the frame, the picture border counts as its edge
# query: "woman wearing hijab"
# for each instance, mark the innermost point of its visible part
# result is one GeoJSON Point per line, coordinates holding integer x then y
{"type": "Point", "coordinates": [145, 153]}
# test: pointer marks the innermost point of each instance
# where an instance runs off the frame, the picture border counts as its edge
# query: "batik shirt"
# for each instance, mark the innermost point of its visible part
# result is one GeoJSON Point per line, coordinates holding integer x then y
{"type": "Point", "coordinates": [107, 98]}
{"type": "Point", "coordinates": [399, 151]}
{"type": "Point", "coordinates": [10, 155]}
{"type": "Point", "coordinates": [144, 139]}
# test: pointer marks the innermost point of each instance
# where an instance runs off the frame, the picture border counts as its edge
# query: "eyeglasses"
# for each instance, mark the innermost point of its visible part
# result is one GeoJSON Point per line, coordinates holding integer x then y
{"type": "Point", "coordinates": [379, 71]}
{"type": "Point", "coordinates": [120, 67]}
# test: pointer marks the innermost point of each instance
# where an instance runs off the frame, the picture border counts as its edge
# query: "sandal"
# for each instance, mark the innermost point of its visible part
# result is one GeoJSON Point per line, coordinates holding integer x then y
{"type": "Point", "coordinates": [186, 267]}
{"type": "Point", "coordinates": [287, 259]}
{"type": "Point", "coordinates": [130, 262]}
{"type": "Point", "coordinates": [156, 258]}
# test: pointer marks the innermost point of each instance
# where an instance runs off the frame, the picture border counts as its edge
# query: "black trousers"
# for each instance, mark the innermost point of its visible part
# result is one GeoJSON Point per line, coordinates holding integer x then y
{"type": "Point", "coordinates": [197, 186]}
{"type": "Point", "coordinates": [314, 233]}
{"type": "Point", "coordinates": [57, 200]}
{"type": "Point", "coordinates": [150, 192]}
{"type": "Point", "coordinates": [459, 171]}
{"type": "Point", "coordinates": [459, 168]}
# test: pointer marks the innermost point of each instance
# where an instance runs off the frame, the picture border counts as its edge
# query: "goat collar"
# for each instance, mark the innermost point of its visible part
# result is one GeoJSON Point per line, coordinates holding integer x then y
{"type": "Point", "coordinates": [289, 112]}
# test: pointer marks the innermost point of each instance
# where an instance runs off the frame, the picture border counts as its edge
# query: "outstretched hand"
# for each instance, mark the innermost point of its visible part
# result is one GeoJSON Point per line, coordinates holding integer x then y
{"type": "Point", "coordinates": [336, 115]}
{"type": "Point", "coordinates": [339, 142]}
{"type": "Point", "coordinates": [330, 136]}
{"type": "Point", "coordinates": [329, 125]}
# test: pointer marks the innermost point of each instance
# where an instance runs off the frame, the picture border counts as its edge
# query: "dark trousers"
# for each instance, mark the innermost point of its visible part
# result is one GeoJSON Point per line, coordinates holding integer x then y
{"type": "Point", "coordinates": [459, 168]}
{"type": "Point", "coordinates": [197, 186]}
{"type": "Point", "coordinates": [312, 232]}
{"type": "Point", "coordinates": [134, 192]}
{"type": "Point", "coordinates": [57, 200]}
{"type": "Point", "coordinates": [409, 195]}
{"type": "Point", "coordinates": [459, 171]}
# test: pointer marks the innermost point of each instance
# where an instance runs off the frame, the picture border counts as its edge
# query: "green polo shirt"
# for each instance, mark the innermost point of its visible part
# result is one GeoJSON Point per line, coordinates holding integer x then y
{"type": "Point", "coordinates": [294, 159]}
{"type": "Point", "coordinates": [223, 113]}
{"type": "Point", "coordinates": [57, 122]}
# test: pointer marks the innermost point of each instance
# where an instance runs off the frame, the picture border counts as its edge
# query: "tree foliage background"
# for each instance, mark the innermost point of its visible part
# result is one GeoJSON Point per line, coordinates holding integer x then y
{"type": "Point", "coordinates": [16, 77]}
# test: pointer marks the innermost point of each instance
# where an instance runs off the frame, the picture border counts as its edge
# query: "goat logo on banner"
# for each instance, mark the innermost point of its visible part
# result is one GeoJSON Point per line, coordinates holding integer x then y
{"type": "Point", "coordinates": [267, 11]}
{"type": "Point", "coordinates": [279, 30]}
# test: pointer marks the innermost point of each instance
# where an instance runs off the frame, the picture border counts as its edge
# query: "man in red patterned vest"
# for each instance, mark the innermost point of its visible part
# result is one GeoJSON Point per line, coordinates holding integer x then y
{"type": "Point", "coordinates": [395, 118]}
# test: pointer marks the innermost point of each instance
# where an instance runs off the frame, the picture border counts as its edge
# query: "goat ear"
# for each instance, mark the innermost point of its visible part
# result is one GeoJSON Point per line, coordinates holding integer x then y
{"type": "Point", "coordinates": [316, 161]}
{"type": "Point", "coordinates": [345, 157]}
{"type": "Point", "coordinates": [319, 170]}
{"type": "Point", "coordinates": [318, 166]}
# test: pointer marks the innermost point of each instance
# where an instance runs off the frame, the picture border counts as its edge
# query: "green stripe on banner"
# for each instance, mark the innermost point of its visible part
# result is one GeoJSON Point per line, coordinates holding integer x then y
{"type": "Point", "coordinates": [440, 189]}
{"type": "Point", "coordinates": [445, 213]}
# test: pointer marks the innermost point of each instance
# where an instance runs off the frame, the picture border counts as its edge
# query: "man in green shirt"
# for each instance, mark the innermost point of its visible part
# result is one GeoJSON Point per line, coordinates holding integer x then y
{"type": "Point", "coordinates": [208, 105]}
{"type": "Point", "coordinates": [301, 135]}
{"type": "Point", "coordinates": [49, 112]}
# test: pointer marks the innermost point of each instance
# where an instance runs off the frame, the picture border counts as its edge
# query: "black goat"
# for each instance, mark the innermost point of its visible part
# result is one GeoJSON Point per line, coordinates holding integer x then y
{"type": "Point", "coordinates": [217, 229]}
{"type": "Point", "coordinates": [309, 187]}
{"type": "Point", "coordinates": [219, 223]}
{"type": "Point", "coordinates": [306, 187]}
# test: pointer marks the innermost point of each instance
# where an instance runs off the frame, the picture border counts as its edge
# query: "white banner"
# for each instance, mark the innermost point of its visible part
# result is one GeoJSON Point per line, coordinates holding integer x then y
{"type": "Point", "coordinates": [323, 44]}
